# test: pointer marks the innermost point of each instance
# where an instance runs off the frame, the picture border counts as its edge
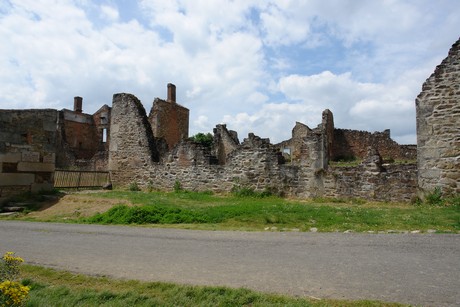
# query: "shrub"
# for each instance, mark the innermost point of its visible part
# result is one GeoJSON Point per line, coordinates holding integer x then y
{"type": "Point", "coordinates": [134, 187]}
{"type": "Point", "coordinates": [150, 186]}
{"type": "Point", "coordinates": [204, 140]}
{"type": "Point", "coordinates": [245, 191]}
{"type": "Point", "coordinates": [12, 293]}
{"type": "Point", "coordinates": [435, 197]}
{"type": "Point", "coordinates": [177, 186]}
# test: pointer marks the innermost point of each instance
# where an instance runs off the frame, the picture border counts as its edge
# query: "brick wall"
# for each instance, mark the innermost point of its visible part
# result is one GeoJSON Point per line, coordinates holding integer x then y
{"type": "Point", "coordinates": [169, 121]}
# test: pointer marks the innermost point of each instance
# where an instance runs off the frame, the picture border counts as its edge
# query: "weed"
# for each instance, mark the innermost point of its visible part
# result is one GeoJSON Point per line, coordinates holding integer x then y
{"type": "Point", "coordinates": [242, 190]}
{"type": "Point", "coordinates": [435, 197]}
{"type": "Point", "coordinates": [177, 186]}
{"type": "Point", "coordinates": [134, 187]}
{"type": "Point", "coordinates": [150, 186]}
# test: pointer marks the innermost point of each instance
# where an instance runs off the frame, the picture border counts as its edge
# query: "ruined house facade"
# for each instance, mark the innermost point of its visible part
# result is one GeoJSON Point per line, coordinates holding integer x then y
{"type": "Point", "coordinates": [254, 163]}
{"type": "Point", "coordinates": [153, 150]}
{"type": "Point", "coordinates": [438, 127]}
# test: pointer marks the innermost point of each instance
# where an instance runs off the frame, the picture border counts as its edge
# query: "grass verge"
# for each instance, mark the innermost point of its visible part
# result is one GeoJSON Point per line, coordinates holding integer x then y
{"type": "Point", "coordinates": [195, 210]}
{"type": "Point", "coordinates": [59, 288]}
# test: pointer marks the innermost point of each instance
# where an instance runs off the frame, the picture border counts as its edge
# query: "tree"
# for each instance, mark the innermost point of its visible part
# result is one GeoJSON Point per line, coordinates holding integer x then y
{"type": "Point", "coordinates": [204, 140]}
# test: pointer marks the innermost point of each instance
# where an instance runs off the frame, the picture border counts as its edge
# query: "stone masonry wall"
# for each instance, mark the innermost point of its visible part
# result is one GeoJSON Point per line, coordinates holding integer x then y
{"type": "Point", "coordinates": [255, 164]}
{"type": "Point", "coordinates": [132, 146]}
{"type": "Point", "coordinates": [438, 127]}
{"type": "Point", "coordinates": [371, 180]}
{"type": "Point", "coordinates": [27, 150]}
{"type": "Point", "coordinates": [354, 144]}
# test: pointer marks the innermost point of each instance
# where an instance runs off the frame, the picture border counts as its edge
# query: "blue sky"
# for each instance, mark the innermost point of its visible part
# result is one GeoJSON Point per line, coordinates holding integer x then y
{"type": "Point", "coordinates": [258, 66]}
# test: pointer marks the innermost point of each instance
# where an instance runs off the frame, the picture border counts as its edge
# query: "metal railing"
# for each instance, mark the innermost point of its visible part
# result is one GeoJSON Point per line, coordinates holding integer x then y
{"type": "Point", "coordinates": [80, 179]}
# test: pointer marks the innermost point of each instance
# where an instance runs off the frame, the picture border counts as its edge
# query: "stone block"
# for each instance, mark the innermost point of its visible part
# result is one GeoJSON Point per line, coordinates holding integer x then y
{"type": "Point", "coordinates": [35, 167]}
{"type": "Point", "coordinates": [30, 156]}
{"type": "Point", "coordinates": [8, 179]}
{"type": "Point", "coordinates": [49, 158]}
{"type": "Point", "coordinates": [10, 157]}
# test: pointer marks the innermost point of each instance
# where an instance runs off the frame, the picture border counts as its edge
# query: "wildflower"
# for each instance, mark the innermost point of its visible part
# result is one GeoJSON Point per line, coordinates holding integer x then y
{"type": "Point", "coordinates": [12, 293]}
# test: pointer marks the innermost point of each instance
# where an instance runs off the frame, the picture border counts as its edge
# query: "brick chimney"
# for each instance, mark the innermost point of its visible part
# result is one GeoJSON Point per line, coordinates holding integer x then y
{"type": "Point", "coordinates": [171, 92]}
{"type": "Point", "coordinates": [78, 104]}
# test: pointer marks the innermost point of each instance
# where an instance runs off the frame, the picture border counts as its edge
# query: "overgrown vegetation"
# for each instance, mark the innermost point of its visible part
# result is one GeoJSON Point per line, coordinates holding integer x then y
{"type": "Point", "coordinates": [204, 139]}
{"type": "Point", "coordinates": [12, 292]}
{"type": "Point", "coordinates": [57, 288]}
{"type": "Point", "coordinates": [345, 161]}
{"type": "Point", "coordinates": [436, 198]}
{"type": "Point", "coordinates": [246, 209]}
{"type": "Point", "coordinates": [242, 190]}
{"type": "Point", "coordinates": [201, 210]}
{"type": "Point", "coordinates": [134, 187]}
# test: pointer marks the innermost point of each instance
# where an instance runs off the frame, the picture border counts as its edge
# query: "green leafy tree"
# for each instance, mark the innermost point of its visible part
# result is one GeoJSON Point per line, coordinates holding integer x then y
{"type": "Point", "coordinates": [203, 139]}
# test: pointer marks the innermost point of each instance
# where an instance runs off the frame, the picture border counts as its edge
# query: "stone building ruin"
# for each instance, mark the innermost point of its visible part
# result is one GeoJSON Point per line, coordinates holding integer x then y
{"type": "Point", "coordinates": [154, 149]}
{"type": "Point", "coordinates": [438, 127]}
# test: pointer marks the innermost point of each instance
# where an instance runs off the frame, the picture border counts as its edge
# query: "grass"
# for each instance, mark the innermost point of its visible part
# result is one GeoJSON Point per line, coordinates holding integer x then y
{"type": "Point", "coordinates": [201, 210]}
{"type": "Point", "coordinates": [59, 288]}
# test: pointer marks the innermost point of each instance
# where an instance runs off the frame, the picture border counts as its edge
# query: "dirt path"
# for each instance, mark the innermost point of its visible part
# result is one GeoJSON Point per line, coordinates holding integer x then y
{"type": "Point", "coordinates": [406, 268]}
{"type": "Point", "coordinates": [72, 206]}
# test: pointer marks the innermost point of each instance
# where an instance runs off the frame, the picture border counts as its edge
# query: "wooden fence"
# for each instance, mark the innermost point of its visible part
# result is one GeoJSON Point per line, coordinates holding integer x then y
{"type": "Point", "coordinates": [80, 179]}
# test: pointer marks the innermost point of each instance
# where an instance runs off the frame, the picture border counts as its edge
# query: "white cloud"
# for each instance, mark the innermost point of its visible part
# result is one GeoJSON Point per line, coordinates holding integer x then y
{"type": "Point", "coordinates": [109, 12]}
{"type": "Point", "coordinates": [257, 65]}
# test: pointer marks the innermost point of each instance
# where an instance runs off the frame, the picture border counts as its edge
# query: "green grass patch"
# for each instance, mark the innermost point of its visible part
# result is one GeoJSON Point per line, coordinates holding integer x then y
{"type": "Point", "coordinates": [59, 288]}
{"type": "Point", "coordinates": [206, 211]}
{"type": "Point", "coordinates": [260, 211]}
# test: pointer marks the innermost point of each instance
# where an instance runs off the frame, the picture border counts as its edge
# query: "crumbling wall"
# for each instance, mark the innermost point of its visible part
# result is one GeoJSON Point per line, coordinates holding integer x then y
{"type": "Point", "coordinates": [168, 119]}
{"type": "Point", "coordinates": [27, 150]}
{"type": "Point", "coordinates": [349, 144]}
{"type": "Point", "coordinates": [254, 164]}
{"type": "Point", "coordinates": [224, 142]}
{"type": "Point", "coordinates": [83, 139]}
{"type": "Point", "coordinates": [438, 127]}
{"type": "Point", "coordinates": [372, 180]}
{"type": "Point", "coordinates": [132, 145]}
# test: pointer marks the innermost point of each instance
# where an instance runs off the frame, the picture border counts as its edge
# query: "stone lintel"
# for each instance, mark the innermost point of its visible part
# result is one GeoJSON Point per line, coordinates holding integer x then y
{"type": "Point", "coordinates": [35, 167]}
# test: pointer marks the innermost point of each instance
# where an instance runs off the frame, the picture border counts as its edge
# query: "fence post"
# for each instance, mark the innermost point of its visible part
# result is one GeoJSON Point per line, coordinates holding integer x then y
{"type": "Point", "coordinates": [79, 179]}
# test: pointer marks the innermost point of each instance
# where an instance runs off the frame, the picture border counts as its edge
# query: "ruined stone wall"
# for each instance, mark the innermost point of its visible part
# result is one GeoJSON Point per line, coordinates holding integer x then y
{"type": "Point", "coordinates": [81, 143]}
{"type": "Point", "coordinates": [438, 127]}
{"type": "Point", "coordinates": [27, 150]}
{"type": "Point", "coordinates": [132, 146]}
{"type": "Point", "coordinates": [328, 128]}
{"type": "Point", "coordinates": [372, 180]}
{"type": "Point", "coordinates": [354, 144]}
{"type": "Point", "coordinates": [169, 121]}
{"type": "Point", "coordinates": [394, 183]}
{"type": "Point", "coordinates": [80, 134]}
{"type": "Point", "coordinates": [255, 164]}
{"type": "Point", "coordinates": [225, 142]}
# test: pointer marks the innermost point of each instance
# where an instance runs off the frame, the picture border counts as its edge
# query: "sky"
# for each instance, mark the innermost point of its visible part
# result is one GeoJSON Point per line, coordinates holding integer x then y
{"type": "Point", "coordinates": [256, 65]}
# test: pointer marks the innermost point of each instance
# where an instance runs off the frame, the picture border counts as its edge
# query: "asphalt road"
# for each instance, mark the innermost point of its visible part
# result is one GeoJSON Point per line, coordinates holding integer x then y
{"type": "Point", "coordinates": [421, 269]}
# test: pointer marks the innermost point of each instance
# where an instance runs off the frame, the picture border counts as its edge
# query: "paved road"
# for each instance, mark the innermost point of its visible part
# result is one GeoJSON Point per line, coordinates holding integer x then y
{"type": "Point", "coordinates": [413, 268]}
